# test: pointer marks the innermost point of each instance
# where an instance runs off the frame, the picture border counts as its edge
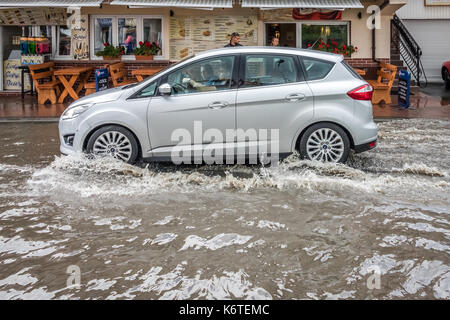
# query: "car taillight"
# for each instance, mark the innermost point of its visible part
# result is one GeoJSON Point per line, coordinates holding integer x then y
{"type": "Point", "coordinates": [361, 93]}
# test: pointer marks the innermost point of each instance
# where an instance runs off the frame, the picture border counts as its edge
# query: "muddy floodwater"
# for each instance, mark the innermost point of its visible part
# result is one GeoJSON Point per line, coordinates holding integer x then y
{"type": "Point", "coordinates": [376, 228]}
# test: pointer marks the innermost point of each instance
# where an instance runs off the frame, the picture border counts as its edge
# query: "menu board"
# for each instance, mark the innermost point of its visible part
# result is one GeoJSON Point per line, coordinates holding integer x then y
{"type": "Point", "coordinates": [33, 16]}
{"type": "Point", "coordinates": [12, 76]}
{"type": "Point", "coordinates": [80, 37]}
{"type": "Point", "coordinates": [191, 34]}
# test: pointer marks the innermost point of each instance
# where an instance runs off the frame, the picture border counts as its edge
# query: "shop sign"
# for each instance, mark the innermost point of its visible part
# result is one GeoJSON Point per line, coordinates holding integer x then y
{"type": "Point", "coordinates": [316, 14]}
{"type": "Point", "coordinates": [404, 87]}
{"type": "Point", "coordinates": [80, 37]}
{"type": "Point", "coordinates": [12, 76]}
{"type": "Point", "coordinates": [101, 79]}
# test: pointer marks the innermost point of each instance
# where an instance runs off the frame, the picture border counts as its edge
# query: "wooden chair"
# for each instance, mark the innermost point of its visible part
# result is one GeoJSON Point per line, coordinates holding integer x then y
{"type": "Point", "coordinates": [45, 82]}
{"type": "Point", "coordinates": [118, 74]}
{"type": "Point", "coordinates": [90, 88]}
{"type": "Point", "coordinates": [383, 85]}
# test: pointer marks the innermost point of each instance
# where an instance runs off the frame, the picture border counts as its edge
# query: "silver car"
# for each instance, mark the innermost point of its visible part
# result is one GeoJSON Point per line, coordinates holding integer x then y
{"type": "Point", "coordinates": [232, 103]}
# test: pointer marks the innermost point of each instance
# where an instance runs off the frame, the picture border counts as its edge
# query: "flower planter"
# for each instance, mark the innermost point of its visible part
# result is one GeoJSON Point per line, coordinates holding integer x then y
{"type": "Point", "coordinates": [144, 58]}
{"type": "Point", "coordinates": [112, 58]}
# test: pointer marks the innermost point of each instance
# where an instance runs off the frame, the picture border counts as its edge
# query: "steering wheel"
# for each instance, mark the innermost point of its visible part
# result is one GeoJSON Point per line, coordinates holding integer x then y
{"type": "Point", "coordinates": [178, 87]}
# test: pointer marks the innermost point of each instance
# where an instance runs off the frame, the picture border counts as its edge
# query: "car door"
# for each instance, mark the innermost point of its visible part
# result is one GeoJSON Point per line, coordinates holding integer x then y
{"type": "Point", "coordinates": [272, 95]}
{"type": "Point", "coordinates": [199, 110]}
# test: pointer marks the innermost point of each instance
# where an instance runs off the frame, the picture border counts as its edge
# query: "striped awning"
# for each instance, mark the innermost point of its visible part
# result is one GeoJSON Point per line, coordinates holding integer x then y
{"type": "Point", "coordinates": [317, 4]}
{"type": "Point", "coordinates": [49, 3]}
{"type": "Point", "coordinates": [200, 4]}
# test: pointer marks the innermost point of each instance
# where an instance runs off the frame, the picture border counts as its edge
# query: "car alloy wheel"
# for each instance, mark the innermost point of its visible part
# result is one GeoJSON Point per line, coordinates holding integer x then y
{"type": "Point", "coordinates": [114, 141]}
{"type": "Point", "coordinates": [325, 145]}
{"type": "Point", "coordinates": [326, 142]}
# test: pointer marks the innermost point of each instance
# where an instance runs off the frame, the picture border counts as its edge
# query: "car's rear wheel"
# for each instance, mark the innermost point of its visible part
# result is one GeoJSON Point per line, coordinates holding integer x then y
{"type": "Point", "coordinates": [325, 142]}
{"type": "Point", "coordinates": [114, 141]}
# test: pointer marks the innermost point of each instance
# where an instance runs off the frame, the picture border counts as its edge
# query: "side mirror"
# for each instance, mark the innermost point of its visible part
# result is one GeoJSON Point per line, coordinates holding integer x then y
{"type": "Point", "coordinates": [165, 88]}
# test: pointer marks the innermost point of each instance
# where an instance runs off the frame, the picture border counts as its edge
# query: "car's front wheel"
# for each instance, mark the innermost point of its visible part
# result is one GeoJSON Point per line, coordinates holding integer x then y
{"type": "Point", "coordinates": [325, 142]}
{"type": "Point", "coordinates": [114, 141]}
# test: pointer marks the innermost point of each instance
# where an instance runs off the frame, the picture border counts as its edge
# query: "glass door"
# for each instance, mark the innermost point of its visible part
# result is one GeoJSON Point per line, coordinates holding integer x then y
{"type": "Point", "coordinates": [285, 32]}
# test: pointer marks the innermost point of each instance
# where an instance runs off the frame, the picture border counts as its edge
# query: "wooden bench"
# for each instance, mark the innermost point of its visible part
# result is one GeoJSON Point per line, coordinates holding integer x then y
{"type": "Point", "coordinates": [383, 85]}
{"type": "Point", "coordinates": [118, 74]}
{"type": "Point", "coordinates": [45, 82]}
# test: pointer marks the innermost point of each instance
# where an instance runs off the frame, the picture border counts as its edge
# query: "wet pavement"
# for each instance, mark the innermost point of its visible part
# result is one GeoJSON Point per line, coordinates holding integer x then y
{"type": "Point", "coordinates": [432, 102]}
{"type": "Point", "coordinates": [302, 230]}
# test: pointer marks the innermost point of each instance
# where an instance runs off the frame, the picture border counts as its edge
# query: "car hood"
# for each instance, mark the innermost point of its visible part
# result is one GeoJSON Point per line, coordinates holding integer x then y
{"type": "Point", "coordinates": [108, 95]}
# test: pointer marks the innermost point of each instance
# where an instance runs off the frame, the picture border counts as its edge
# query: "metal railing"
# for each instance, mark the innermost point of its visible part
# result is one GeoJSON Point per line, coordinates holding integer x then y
{"type": "Point", "coordinates": [409, 50]}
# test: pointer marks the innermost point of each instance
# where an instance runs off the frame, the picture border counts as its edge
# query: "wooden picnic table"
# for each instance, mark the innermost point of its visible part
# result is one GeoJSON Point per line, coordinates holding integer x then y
{"type": "Point", "coordinates": [145, 72]}
{"type": "Point", "coordinates": [69, 77]}
{"type": "Point", "coordinates": [360, 71]}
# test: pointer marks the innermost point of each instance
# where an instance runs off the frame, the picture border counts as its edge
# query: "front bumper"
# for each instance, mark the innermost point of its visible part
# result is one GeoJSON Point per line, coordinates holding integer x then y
{"type": "Point", "coordinates": [71, 127]}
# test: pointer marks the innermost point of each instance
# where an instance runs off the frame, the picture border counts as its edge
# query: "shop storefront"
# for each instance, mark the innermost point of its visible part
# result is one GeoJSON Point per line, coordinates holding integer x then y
{"type": "Point", "coordinates": [75, 32]}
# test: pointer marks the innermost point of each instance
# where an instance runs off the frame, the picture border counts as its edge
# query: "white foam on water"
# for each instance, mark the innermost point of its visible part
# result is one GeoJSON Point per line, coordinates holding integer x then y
{"type": "Point", "coordinates": [217, 242]}
{"type": "Point", "coordinates": [106, 178]}
{"type": "Point", "coordinates": [164, 238]}
{"type": "Point", "coordinates": [175, 285]}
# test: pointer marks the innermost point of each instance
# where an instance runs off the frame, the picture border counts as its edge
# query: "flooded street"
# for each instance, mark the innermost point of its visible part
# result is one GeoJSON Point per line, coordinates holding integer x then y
{"type": "Point", "coordinates": [302, 230]}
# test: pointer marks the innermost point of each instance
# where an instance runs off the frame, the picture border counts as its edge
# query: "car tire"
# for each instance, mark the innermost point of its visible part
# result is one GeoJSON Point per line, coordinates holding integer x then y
{"type": "Point", "coordinates": [326, 142]}
{"type": "Point", "coordinates": [447, 79]}
{"type": "Point", "coordinates": [115, 141]}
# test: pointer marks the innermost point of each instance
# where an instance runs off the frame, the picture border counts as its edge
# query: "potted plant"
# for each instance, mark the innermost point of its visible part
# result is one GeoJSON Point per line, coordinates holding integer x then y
{"type": "Point", "coordinates": [110, 52]}
{"type": "Point", "coordinates": [334, 47]}
{"type": "Point", "coordinates": [146, 50]}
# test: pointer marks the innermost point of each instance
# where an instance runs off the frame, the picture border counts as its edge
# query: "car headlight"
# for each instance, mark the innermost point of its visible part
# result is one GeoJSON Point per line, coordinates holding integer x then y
{"type": "Point", "coordinates": [73, 112]}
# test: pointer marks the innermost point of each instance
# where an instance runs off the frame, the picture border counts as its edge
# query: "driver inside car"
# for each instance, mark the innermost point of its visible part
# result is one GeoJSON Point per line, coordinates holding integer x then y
{"type": "Point", "coordinates": [208, 81]}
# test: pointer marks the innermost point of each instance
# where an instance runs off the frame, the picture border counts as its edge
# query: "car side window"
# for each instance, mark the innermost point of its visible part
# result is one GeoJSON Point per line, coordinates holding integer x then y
{"type": "Point", "coordinates": [207, 75]}
{"type": "Point", "coordinates": [316, 69]}
{"type": "Point", "coordinates": [264, 70]}
{"type": "Point", "coordinates": [148, 91]}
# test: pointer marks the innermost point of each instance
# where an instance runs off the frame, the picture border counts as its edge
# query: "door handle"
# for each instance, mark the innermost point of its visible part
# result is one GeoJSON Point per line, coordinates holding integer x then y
{"type": "Point", "coordinates": [218, 105]}
{"type": "Point", "coordinates": [295, 97]}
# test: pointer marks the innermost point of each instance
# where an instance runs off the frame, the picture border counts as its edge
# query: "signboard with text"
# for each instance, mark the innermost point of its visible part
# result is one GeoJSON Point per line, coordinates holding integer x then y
{"type": "Point", "coordinates": [404, 88]}
{"type": "Point", "coordinates": [101, 79]}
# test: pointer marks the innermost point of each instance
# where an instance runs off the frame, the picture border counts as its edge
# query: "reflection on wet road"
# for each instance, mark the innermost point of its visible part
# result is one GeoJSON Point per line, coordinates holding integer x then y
{"type": "Point", "coordinates": [301, 230]}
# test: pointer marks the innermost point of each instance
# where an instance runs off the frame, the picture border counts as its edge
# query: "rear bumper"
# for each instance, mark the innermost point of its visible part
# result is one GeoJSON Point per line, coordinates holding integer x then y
{"type": "Point", "coordinates": [365, 146]}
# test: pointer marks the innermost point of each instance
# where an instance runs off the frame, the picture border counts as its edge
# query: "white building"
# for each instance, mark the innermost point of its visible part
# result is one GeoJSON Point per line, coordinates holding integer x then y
{"type": "Point", "coordinates": [428, 21]}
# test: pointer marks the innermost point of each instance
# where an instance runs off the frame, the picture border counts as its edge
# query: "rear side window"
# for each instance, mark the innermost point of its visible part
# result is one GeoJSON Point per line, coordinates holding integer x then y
{"type": "Point", "coordinates": [316, 69]}
{"type": "Point", "coordinates": [351, 70]}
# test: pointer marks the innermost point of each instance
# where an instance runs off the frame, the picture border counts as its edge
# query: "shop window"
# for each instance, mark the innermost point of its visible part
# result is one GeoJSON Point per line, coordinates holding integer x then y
{"type": "Point", "coordinates": [152, 31]}
{"type": "Point", "coordinates": [102, 33]}
{"type": "Point", "coordinates": [264, 70]}
{"type": "Point", "coordinates": [127, 34]}
{"type": "Point", "coordinates": [314, 34]}
{"type": "Point", "coordinates": [63, 38]}
{"type": "Point", "coordinates": [125, 31]}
